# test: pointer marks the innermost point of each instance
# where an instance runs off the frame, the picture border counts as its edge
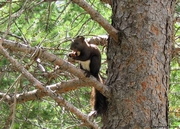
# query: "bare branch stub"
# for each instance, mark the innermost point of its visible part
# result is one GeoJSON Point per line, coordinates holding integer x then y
{"type": "Point", "coordinates": [107, 2]}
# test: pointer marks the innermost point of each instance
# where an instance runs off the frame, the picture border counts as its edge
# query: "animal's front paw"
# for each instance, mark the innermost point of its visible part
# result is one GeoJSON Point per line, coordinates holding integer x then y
{"type": "Point", "coordinates": [87, 73]}
{"type": "Point", "coordinates": [72, 54]}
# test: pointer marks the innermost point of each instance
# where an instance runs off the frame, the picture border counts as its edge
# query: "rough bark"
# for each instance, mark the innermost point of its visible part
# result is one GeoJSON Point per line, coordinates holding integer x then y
{"type": "Point", "coordinates": [138, 66]}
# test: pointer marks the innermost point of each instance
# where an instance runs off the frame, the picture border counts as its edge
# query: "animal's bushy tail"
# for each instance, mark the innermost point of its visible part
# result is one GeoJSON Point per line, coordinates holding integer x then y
{"type": "Point", "coordinates": [98, 100]}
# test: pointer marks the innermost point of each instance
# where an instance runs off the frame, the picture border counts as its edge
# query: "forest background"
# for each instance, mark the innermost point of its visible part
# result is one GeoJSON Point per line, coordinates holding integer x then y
{"type": "Point", "coordinates": [52, 25]}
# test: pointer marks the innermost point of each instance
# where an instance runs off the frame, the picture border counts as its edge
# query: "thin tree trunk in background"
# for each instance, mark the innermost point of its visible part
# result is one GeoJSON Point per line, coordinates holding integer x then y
{"type": "Point", "coordinates": [139, 64]}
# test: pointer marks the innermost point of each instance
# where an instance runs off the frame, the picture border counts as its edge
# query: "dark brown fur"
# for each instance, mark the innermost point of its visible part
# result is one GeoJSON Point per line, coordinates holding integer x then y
{"type": "Point", "coordinates": [82, 51]}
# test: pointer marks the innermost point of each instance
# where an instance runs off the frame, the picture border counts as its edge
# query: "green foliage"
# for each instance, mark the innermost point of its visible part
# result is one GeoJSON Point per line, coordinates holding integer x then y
{"type": "Point", "coordinates": [51, 22]}
{"type": "Point", "coordinates": [51, 25]}
{"type": "Point", "coordinates": [174, 94]}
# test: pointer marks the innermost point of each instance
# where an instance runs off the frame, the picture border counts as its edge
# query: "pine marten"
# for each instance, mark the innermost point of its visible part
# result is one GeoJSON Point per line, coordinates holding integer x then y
{"type": "Point", "coordinates": [89, 57]}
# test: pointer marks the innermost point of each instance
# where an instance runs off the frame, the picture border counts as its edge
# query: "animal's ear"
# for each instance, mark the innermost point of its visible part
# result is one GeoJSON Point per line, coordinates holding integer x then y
{"type": "Point", "coordinates": [81, 38]}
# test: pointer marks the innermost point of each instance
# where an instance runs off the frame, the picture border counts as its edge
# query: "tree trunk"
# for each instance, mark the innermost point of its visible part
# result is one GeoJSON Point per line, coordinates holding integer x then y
{"type": "Point", "coordinates": [139, 64]}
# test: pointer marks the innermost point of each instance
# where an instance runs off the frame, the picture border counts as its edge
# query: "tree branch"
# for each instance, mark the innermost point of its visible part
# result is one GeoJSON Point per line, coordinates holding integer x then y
{"type": "Point", "coordinates": [175, 52]}
{"type": "Point", "coordinates": [98, 40]}
{"type": "Point", "coordinates": [107, 2]}
{"type": "Point", "coordinates": [64, 65]}
{"type": "Point", "coordinates": [98, 18]}
{"type": "Point", "coordinates": [61, 87]}
{"type": "Point", "coordinates": [61, 101]}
